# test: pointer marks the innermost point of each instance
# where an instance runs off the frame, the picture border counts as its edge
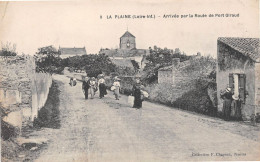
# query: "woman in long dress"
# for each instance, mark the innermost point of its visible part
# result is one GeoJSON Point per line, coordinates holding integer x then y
{"type": "Point", "coordinates": [227, 97]}
{"type": "Point", "coordinates": [85, 87]}
{"type": "Point", "coordinates": [92, 84]}
{"type": "Point", "coordinates": [116, 84]}
{"type": "Point", "coordinates": [136, 92]}
{"type": "Point", "coordinates": [236, 108]}
{"type": "Point", "coordinates": [102, 87]}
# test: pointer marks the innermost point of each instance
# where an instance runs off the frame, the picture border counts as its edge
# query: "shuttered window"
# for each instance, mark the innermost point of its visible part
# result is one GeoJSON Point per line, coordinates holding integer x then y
{"type": "Point", "coordinates": [231, 81]}
{"type": "Point", "coordinates": [242, 87]}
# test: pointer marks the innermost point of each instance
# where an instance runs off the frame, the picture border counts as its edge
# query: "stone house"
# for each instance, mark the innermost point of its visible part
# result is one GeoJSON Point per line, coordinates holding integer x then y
{"type": "Point", "coordinates": [70, 52]}
{"type": "Point", "coordinates": [173, 74]}
{"type": "Point", "coordinates": [165, 74]}
{"type": "Point", "coordinates": [239, 68]}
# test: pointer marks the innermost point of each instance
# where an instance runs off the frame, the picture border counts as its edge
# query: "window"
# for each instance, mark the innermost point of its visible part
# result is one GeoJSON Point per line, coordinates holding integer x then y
{"type": "Point", "coordinates": [237, 82]}
{"type": "Point", "coordinates": [128, 44]}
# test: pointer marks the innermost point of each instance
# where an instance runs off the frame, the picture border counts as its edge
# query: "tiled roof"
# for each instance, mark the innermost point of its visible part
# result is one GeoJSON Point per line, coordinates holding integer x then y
{"type": "Point", "coordinates": [123, 62]}
{"type": "Point", "coordinates": [247, 46]}
{"type": "Point", "coordinates": [166, 68]}
{"type": "Point", "coordinates": [125, 53]}
{"type": "Point", "coordinates": [69, 51]}
{"type": "Point", "coordinates": [127, 34]}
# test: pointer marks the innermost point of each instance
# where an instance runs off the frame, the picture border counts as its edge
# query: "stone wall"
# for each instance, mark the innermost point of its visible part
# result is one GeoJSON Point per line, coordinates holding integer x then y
{"type": "Point", "coordinates": [165, 76]}
{"type": "Point", "coordinates": [22, 91]}
{"type": "Point", "coordinates": [257, 87]}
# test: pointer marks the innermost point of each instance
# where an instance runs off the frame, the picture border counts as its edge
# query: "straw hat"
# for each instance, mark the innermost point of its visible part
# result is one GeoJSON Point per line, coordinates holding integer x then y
{"type": "Point", "coordinates": [228, 90]}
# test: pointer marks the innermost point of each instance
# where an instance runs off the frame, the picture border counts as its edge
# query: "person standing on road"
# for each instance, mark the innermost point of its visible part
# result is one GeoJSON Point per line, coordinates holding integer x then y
{"type": "Point", "coordinates": [92, 84]}
{"type": "Point", "coordinates": [102, 86]}
{"type": "Point", "coordinates": [236, 108]}
{"type": "Point", "coordinates": [116, 84]}
{"type": "Point", "coordinates": [136, 92]}
{"type": "Point", "coordinates": [85, 87]}
{"type": "Point", "coordinates": [227, 97]}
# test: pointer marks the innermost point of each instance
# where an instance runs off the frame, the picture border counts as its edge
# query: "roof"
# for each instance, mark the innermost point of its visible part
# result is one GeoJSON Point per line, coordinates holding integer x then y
{"type": "Point", "coordinates": [166, 68]}
{"type": "Point", "coordinates": [127, 34]}
{"type": "Point", "coordinates": [69, 51]}
{"type": "Point", "coordinates": [123, 62]}
{"type": "Point", "coordinates": [125, 53]}
{"type": "Point", "coordinates": [247, 46]}
{"type": "Point", "coordinates": [179, 66]}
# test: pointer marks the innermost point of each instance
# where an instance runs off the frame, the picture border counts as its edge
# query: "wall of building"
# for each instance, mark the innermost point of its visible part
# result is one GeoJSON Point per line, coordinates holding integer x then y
{"type": "Point", "coordinates": [165, 76]}
{"type": "Point", "coordinates": [22, 91]}
{"type": "Point", "coordinates": [124, 40]}
{"type": "Point", "coordinates": [231, 61]}
{"type": "Point", "coordinates": [69, 55]}
{"type": "Point", "coordinates": [257, 87]}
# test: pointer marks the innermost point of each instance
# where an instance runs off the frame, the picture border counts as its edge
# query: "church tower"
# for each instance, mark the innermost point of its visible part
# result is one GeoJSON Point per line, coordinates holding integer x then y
{"type": "Point", "coordinates": [127, 41]}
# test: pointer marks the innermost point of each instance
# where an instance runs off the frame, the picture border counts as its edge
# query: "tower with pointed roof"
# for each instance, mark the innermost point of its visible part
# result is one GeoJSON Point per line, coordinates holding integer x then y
{"type": "Point", "coordinates": [127, 41]}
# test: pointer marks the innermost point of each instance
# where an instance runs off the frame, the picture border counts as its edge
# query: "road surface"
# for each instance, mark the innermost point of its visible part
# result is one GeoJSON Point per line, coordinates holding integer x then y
{"type": "Point", "coordinates": [106, 130]}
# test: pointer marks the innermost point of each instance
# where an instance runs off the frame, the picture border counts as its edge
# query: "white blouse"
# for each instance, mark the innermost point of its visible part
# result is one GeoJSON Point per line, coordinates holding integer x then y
{"type": "Point", "coordinates": [116, 84]}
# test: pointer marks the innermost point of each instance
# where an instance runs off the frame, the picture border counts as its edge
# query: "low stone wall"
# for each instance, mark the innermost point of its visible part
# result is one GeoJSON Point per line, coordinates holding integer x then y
{"type": "Point", "coordinates": [22, 91]}
{"type": "Point", "coordinates": [40, 90]}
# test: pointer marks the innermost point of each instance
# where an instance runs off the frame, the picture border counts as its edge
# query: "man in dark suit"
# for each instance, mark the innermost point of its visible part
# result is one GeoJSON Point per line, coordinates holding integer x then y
{"type": "Point", "coordinates": [85, 87]}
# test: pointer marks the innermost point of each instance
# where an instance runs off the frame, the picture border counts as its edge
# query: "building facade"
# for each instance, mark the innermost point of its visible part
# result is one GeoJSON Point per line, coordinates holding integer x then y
{"type": "Point", "coordinates": [239, 68]}
{"type": "Point", "coordinates": [127, 41]}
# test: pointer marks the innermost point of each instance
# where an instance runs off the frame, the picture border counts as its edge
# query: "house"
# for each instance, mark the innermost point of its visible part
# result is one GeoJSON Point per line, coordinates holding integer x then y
{"type": "Point", "coordinates": [239, 68]}
{"type": "Point", "coordinates": [70, 52]}
{"type": "Point", "coordinates": [165, 74]}
{"type": "Point", "coordinates": [127, 50]}
{"type": "Point", "coordinates": [173, 73]}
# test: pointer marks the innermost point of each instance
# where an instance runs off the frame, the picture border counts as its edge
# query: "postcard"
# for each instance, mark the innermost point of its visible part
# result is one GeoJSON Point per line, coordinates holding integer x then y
{"type": "Point", "coordinates": [132, 80]}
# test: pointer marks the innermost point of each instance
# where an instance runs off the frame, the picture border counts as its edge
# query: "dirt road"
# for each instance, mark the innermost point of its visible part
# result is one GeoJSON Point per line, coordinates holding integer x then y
{"type": "Point", "coordinates": [109, 130]}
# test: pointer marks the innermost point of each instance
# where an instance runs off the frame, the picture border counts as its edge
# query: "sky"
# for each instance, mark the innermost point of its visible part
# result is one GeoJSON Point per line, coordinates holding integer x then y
{"type": "Point", "coordinates": [31, 25]}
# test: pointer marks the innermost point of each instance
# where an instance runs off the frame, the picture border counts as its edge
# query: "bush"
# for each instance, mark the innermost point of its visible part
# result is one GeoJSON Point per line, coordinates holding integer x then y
{"type": "Point", "coordinates": [191, 96]}
{"type": "Point", "coordinates": [196, 100]}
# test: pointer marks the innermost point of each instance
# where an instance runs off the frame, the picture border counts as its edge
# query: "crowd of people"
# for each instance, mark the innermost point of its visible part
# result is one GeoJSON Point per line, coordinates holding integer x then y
{"type": "Point", "coordinates": [92, 85]}
{"type": "Point", "coordinates": [231, 102]}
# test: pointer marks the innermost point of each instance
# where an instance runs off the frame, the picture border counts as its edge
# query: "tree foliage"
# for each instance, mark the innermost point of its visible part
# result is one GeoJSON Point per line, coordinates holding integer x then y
{"type": "Point", "coordinates": [48, 60]}
{"type": "Point", "coordinates": [93, 64]}
{"type": "Point", "coordinates": [8, 49]}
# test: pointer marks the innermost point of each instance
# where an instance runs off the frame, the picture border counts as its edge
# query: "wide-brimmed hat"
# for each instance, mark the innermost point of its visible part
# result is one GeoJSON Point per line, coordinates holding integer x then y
{"type": "Point", "coordinates": [228, 89]}
{"type": "Point", "coordinates": [235, 97]}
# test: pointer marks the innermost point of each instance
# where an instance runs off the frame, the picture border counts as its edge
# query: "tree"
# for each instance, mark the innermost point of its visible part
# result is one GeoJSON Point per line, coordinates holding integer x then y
{"type": "Point", "coordinates": [8, 49]}
{"type": "Point", "coordinates": [48, 60]}
{"type": "Point", "coordinates": [93, 64]}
